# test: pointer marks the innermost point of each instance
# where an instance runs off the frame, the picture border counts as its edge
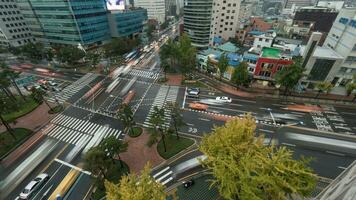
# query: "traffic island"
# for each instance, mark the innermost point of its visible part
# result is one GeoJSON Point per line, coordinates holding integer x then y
{"type": "Point", "coordinates": [8, 143]}
{"type": "Point", "coordinates": [173, 146]}
{"type": "Point", "coordinates": [25, 107]}
{"type": "Point", "coordinates": [135, 132]}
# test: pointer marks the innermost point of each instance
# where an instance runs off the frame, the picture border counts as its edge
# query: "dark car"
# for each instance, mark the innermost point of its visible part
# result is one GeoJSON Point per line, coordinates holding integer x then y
{"type": "Point", "coordinates": [188, 184]}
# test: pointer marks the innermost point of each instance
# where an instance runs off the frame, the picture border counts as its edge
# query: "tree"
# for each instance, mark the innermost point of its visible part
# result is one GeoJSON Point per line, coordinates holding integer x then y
{"type": "Point", "coordinates": [149, 31]}
{"type": "Point", "coordinates": [157, 122]}
{"type": "Point", "coordinates": [222, 65]}
{"type": "Point", "coordinates": [246, 169]}
{"type": "Point", "coordinates": [93, 57]}
{"type": "Point", "coordinates": [11, 75]}
{"type": "Point", "coordinates": [97, 161]}
{"type": "Point", "coordinates": [7, 105]}
{"type": "Point", "coordinates": [33, 51]}
{"type": "Point", "coordinates": [5, 84]}
{"type": "Point", "coordinates": [350, 87]}
{"type": "Point", "coordinates": [323, 87]}
{"type": "Point", "coordinates": [38, 96]}
{"type": "Point", "coordinates": [136, 187]}
{"type": "Point", "coordinates": [125, 115]}
{"type": "Point", "coordinates": [165, 66]}
{"type": "Point", "coordinates": [113, 147]}
{"type": "Point", "coordinates": [289, 76]}
{"type": "Point", "coordinates": [69, 54]}
{"type": "Point", "coordinates": [177, 118]}
{"type": "Point", "coordinates": [240, 75]}
{"type": "Point", "coordinates": [186, 54]}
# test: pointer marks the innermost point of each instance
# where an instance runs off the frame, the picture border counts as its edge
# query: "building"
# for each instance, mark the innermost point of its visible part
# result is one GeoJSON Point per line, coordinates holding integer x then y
{"type": "Point", "coordinates": [225, 19]}
{"type": "Point", "coordinates": [342, 187]}
{"type": "Point", "coordinates": [255, 26]}
{"type": "Point", "coordinates": [127, 23]}
{"type": "Point", "coordinates": [298, 3]}
{"type": "Point", "coordinates": [156, 9]}
{"type": "Point", "coordinates": [172, 8]}
{"type": "Point", "coordinates": [251, 59]}
{"type": "Point", "coordinates": [264, 40]}
{"type": "Point", "coordinates": [67, 22]}
{"type": "Point", "coordinates": [197, 20]}
{"type": "Point", "coordinates": [313, 19]}
{"type": "Point", "coordinates": [246, 9]}
{"type": "Point", "coordinates": [342, 39]}
{"type": "Point", "coordinates": [13, 27]}
{"type": "Point", "coordinates": [270, 62]}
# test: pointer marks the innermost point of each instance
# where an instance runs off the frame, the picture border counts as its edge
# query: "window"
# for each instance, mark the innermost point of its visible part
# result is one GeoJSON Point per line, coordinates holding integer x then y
{"type": "Point", "coordinates": [230, 29]}
{"type": "Point", "coordinates": [259, 39]}
{"type": "Point", "coordinates": [231, 23]}
{"type": "Point", "coordinates": [220, 31]}
{"type": "Point", "coordinates": [320, 69]}
{"type": "Point", "coordinates": [267, 40]}
{"type": "Point", "coordinates": [222, 20]}
{"type": "Point", "coordinates": [234, 4]}
{"type": "Point", "coordinates": [232, 17]}
{"type": "Point", "coordinates": [226, 23]}
{"type": "Point", "coordinates": [229, 5]}
{"type": "Point", "coordinates": [228, 11]}
{"type": "Point", "coordinates": [350, 59]}
{"type": "Point", "coordinates": [227, 17]}
{"type": "Point", "coordinates": [222, 14]}
{"type": "Point", "coordinates": [225, 29]}
{"type": "Point", "coordinates": [233, 11]}
{"type": "Point", "coordinates": [223, 8]}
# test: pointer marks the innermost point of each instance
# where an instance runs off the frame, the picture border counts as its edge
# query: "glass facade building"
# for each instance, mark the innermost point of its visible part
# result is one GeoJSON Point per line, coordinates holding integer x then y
{"type": "Point", "coordinates": [67, 21]}
{"type": "Point", "coordinates": [127, 22]}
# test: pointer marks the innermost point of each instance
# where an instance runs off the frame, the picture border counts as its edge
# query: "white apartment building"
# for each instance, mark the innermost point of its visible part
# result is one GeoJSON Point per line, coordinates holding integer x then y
{"type": "Point", "coordinates": [264, 40]}
{"type": "Point", "coordinates": [342, 39]}
{"type": "Point", "coordinates": [156, 9]}
{"type": "Point", "coordinates": [225, 19]}
{"type": "Point", "coordinates": [246, 9]}
{"type": "Point", "coordinates": [13, 28]}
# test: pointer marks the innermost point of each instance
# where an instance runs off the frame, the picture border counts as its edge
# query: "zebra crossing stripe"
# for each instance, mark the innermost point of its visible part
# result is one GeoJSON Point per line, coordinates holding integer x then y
{"type": "Point", "coordinates": [164, 176]}
{"type": "Point", "coordinates": [160, 172]}
{"type": "Point", "coordinates": [76, 136]}
{"type": "Point", "coordinates": [69, 134]}
{"type": "Point", "coordinates": [167, 180]}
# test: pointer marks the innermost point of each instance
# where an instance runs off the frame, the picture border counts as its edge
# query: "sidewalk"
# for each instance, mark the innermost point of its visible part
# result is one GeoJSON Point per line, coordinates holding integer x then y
{"type": "Point", "coordinates": [32, 120]}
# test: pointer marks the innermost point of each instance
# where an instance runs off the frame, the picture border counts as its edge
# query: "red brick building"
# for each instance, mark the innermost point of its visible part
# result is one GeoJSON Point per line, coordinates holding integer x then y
{"type": "Point", "coordinates": [270, 62]}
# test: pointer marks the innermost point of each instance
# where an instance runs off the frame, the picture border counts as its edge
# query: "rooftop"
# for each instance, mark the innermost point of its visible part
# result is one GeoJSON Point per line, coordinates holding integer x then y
{"type": "Point", "coordinates": [228, 47]}
{"type": "Point", "coordinates": [268, 52]}
{"type": "Point", "coordinates": [326, 52]}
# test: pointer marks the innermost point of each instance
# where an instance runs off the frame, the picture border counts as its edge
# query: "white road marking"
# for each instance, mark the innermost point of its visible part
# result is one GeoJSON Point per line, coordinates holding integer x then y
{"type": "Point", "coordinates": [203, 119]}
{"type": "Point", "coordinates": [160, 172]}
{"type": "Point", "coordinates": [348, 113]}
{"type": "Point", "coordinates": [265, 130]}
{"type": "Point", "coordinates": [335, 153]}
{"type": "Point", "coordinates": [72, 166]}
{"type": "Point", "coordinates": [185, 96]}
{"type": "Point", "coordinates": [341, 167]}
{"type": "Point", "coordinates": [288, 144]}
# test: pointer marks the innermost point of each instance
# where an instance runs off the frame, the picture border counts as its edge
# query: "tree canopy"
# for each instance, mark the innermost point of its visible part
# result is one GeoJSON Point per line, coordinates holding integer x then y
{"type": "Point", "coordinates": [289, 76]}
{"type": "Point", "coordinates": [240, 75]}
{"type": "Point", "coordinates": [324, 86]}
{"type": "Point", "coordinates": [222, 65]}
{"type": "Point", "coordinates": [69, 54]}
{"type": "Point", "coordinates": [136, 187]}
{"type": "Point", "coordinates": [246, 169]}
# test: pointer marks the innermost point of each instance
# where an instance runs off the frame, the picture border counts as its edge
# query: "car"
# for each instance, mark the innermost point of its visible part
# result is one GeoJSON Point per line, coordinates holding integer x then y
{"type": "Point", "coordinates": [198, 106]}
{"type": "Point", "coordinates": [193, 91]}
{"type": "Point", "coordinates": [52, 83]}
{"type": "Point", "coordinates": [33, 186]}
{"type": "Point", "coordinates": [55, 89]}
{"type": "Point", "coordinates": [188, 183]}
{"type": "Point", "coordinates": [224, 99]}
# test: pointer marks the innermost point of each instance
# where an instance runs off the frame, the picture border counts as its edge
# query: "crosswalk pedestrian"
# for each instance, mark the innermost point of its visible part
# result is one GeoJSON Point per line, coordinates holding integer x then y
{"type": "Point", "coordinates": [76, 131]}
{"type": "Point", "coordinates": [73, 88]}
{"type": "Point", "coordinates": [144, 73]}
{"type": "Point", "coordinates": [164, 176]}
{"type": "Point", "coordinates": [165, 94]}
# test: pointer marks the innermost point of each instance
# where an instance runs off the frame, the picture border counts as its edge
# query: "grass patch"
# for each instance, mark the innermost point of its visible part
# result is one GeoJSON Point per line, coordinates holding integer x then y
{"type": "Point", "coordinates": [25, 107]}
{"type": "Point", "coordinates": [173, 145]}
{"type": "Point", "coordinates": [136, 131]}
{"type": "Point", "coordinates": [56, 109]}
{"type": "Point", "coordinates": [7, 142]}
{"type": "Point", "coordinates": [198, 84]}
{"type": "Point", "coordinates": [113, 176]}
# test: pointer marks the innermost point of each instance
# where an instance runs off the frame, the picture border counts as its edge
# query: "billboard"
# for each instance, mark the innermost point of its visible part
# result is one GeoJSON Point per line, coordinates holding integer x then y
{"type": "Point", "coordinates": [115, 4]}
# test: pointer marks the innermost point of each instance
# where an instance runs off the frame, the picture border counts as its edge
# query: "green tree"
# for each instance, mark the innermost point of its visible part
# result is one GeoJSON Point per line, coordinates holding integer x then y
{"type": "Point", "coordinates": [240, 75]}
{"type": "Point", "coordinates": [5, 83]}
{"type": "Point", "coordinates": [97, 162]}
{"type": "Point", "coordinates": [125, 115]}
{"type": "Point", "coordinates": [149, 31]}
{"type": "Point", "coordinates": [176, 115]}
{"type": "Point", "coordinates": [169, 53]}
{"type": "Point", "coordinates": [323, 87]}
{"type": "Point", "coordinates": [350, 87]}
{"type": "Point", "coordinates": [38, 95]}
{"type": "Point", "coordinates": [136, 187]}
{"type": "Point", "coordinates": [69, 54]}
{"type": "Point", "coordinates": [246, 169]}
{"type": "Point", "coordinates": [11, 75]}
{"type": "Point", "coordinates": [223, 65]}
{"type": "Point", "coordinates": [93, 57]}
{"type": "Point", "coordinates": [113, 147]}
{"type": "Point", "coordinates": [7, 105]}
{"type": "Point", "coordinates": [33, 51]}
{"type": "Point", "coordinates": [157, 125]}
{"type": "Point", "coordinates": [186, 54]}
{"type": "Point", "coordinates": [289, 76]}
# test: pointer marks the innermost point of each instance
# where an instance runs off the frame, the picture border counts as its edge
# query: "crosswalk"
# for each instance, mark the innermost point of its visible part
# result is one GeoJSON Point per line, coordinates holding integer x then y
{"type": "Point", "coordinates": [70, 90]}
{"type": "Point", "coordinates": [164, 176]}
{"type": "Point", "coordinates": [77, 131]}
{"type": "Point", "coordinates": [165, 94]}
{"type": "Point", "coordinates": [143, 73]}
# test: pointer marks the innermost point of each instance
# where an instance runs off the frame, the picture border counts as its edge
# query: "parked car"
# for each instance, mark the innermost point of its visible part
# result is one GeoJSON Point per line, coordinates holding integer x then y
{"type": "Point", "coordinates": [193, 92]}
{"type": "Point", "coordinates": [33, 186]}
{"type": "Point", "coordinates": [52, 83]}
{"type": "Point", "coordinates": [224, 99]}
{"type": "Point", "coordinates": [198, 106]}
{"type": "Point", "coordinates": [188, 184]}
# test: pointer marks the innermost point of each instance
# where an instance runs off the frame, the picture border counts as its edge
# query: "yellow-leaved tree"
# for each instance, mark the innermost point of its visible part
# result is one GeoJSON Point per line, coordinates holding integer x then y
{"type": "Point", "coordinates": [136, 187]}
{"type": "Point", "coordinates": [243, 168]}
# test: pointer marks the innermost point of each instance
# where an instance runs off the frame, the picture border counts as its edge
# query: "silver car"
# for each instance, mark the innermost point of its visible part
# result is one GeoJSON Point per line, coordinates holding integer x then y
{"type": "Point", "coordinates": [34, 185]}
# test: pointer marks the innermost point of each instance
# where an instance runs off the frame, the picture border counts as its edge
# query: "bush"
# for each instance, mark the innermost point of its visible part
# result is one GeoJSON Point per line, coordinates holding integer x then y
{"type": "Point", "coordinates": [7, 142]}
{"type": "Point", "coordinates": [136, 131]}
{"type": "Point", "coordinates": [174, 146]}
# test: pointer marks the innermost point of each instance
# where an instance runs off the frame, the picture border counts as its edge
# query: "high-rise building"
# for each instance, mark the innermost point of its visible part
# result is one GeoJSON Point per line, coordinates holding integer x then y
{"type": "Point", "coordinates": [225, 19]}
{"type": "Point", "coordinates": [13, 28]}
{"type": "Point", "coordinates": [342, 39]}
{"type": "Point", "coordinates": [197, 20]}
{"type": "Point", "coordinates": [156, 9]}
{"type": "Point", "coordinates": [67, 21]}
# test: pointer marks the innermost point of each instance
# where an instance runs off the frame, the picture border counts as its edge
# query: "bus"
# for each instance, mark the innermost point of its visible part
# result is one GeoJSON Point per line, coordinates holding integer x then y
{"type": "Point", "coordinates": [65, 185]}
{"type": "Point", "coordinates": [131, 55]}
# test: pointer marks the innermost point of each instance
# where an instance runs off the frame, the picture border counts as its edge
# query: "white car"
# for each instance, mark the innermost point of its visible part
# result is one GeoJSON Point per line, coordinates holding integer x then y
{"type": "Point", "coordinates": [224, 99]}
{"type": "Point", "coordinates": [33, 186]}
